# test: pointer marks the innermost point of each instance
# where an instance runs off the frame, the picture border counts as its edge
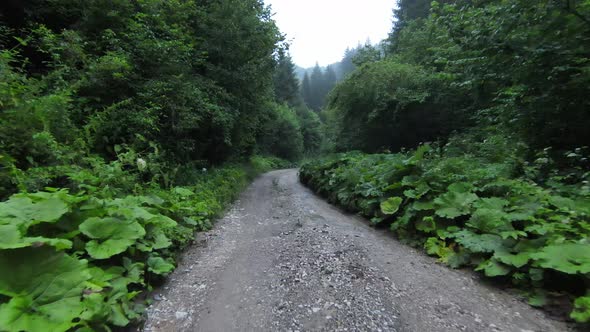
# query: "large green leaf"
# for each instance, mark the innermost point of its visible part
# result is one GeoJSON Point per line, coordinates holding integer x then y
{"type": "Point", "coordinates": [12, 238]}
{"type": "Point", "coordinates": [426, 224]}
{"type": "Point", "coordinates": [516, 260]}
{"type": "Point", "coordinates": [488, 220]}
{"type": "Point", "coordinates": [447, 254]}
{"type": "Point", "coordinates": [391, 205]}
{"type": "Point", "coordinates": [479, 243]}
{"type": "Point", "coordinates": [418, 155]}
{"type": "Point", "coordinates": [111, 236]}
{"type": "Point", "coordinates": [114, 303]}
{"type": "Point", "coordinates": [22, 211]}
{"type": "Point", "coordinates": [161, 221]}
{"type": "Point", "coordinates": [455, 202]}
{"type": "Point", "coordinates": [46, 289]}
{"type": "Point", "coordinates": [571, 258]}
{"type": "Point", "coordinates": [420, 190]}
{"type": "Point", "coordinates": [581, 311]}
{"type": "Point", "coordinates": [493, 268]}
{"type": "Point", "coordinates": [423, 206]}
{"type": "Point", "coordinates": [437, 247]}
{"type": "Point", "coordinates": [159, 265]}
{"type": "Point", "coordinates": [154, 239]}
{"type": "Point", "coordinates": [183, 192]}
{"type": "Point", "coordinates": [492, 203]}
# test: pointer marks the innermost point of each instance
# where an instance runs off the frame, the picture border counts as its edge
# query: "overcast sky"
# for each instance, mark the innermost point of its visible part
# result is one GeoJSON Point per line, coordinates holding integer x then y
{"type": "Point", "coordinates": [320, 30]}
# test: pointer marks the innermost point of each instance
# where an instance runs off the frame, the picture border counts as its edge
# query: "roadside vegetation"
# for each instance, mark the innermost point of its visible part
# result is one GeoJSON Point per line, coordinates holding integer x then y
{"type": "Point", "coordinates": [469, 139]}
{"type": "Point", "coordinates": [125, 127]}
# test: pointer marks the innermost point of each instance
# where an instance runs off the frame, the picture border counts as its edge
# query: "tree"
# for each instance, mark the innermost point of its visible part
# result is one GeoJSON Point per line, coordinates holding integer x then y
{"type": "Point", "coordinates": [329, 78]}
{"type": "Point", "coordinates": [406, 12]}
{"type": "Point", "coordinates": [172, 73]}
{"type": "Point", "coordinates": [367, 53]}
{"type": "Point", "coordinates": [391, 105]}
{"type": "Point", "coordinates": [311, 130]}
{"type": "Point", "coordinates": [286, 87]}
{"type": "Point", "coordinates": [316, 83]}
{"type": "Point", "coordinates": [316, 87]}
{"type": "Point", "coordinates": [328, 83]}
{"type": "Point", "coordinates": [282, 134]}
{"type": "Point", "coordinates": [306, 90]}
{"type": "Point", "coordinates": [347, 65]}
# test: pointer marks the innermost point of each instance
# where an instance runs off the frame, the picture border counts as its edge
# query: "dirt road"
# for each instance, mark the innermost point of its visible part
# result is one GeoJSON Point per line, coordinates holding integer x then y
{"type": "Point", "coordinates": [284, 260]}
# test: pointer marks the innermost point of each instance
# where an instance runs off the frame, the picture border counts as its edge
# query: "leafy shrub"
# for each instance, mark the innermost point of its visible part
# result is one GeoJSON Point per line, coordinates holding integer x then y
{"type": "Point", "coordinates": [391, 105]}
{"type": "Point", "coordinates": [476, 209]}
{"type": "Point", "coordinates": [282, 134]}
{"type": "Point", "coordinates": [104, 245]}
{"type": "Point", "coordinates": [100, 249]}
{"type": "Point", "coordinates": [311, 130]}
{"type": "Point", "coordinates": [109, 124]}
{"type": "Point", "coordinates": [33, 124]}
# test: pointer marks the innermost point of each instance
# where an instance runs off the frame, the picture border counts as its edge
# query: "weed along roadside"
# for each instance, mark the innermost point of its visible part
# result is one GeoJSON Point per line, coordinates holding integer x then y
{"type": "Point", "coordinates": [470, 211]}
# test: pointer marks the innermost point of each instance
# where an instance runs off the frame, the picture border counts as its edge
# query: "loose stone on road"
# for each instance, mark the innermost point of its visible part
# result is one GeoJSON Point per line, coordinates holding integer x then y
{"type": "Point", "coordinates": [282, 259]}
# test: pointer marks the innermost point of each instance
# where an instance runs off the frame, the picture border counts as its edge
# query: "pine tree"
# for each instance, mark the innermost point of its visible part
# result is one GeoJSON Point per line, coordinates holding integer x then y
{"type": "Point", "coordinates": [306, 90]}
{"type": "Point", "coordinates": [316, 83]}
{"type": "Point", "coordinates": [329, 83]}
{"type": "Point", "coordinates": [346, 65]}
{"type": "Point", "coordinates": [330, 78]}
{"type": "Point", "coordinates": [285, 82]}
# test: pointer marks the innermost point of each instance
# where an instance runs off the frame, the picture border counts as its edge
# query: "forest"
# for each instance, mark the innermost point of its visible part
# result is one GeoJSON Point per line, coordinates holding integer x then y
{"type": "Point", "coordinates": [469, 138]}
{"type": "Point", "coordinates": [127, 126]}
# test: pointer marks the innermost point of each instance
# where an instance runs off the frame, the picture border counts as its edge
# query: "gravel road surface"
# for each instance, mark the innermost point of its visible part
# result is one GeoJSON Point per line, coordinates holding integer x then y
{"type": "Point", "coordinates": [282, 259]}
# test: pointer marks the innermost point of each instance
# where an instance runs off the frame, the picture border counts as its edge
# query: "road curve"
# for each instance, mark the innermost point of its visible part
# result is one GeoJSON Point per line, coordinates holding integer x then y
{"type": "Point", "coordinates": [282, 259]}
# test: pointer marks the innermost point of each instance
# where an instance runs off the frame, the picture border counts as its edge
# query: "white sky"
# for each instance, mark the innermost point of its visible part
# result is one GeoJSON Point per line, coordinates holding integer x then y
{"type": "Point", "coordinates": [320, 30]}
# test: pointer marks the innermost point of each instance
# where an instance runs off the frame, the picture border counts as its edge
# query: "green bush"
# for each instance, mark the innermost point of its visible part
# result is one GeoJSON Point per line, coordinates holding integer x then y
{"type": "Point", "coordinates": [105, 245]}
{"type": "Point", "coordinates": [389, 105]}
{"type": "Point", "coordinates": [311, 130]}
{"type": "Point", "coordinates": [477, 208]}
{"type": "Point", "coordinates": [282, 136]}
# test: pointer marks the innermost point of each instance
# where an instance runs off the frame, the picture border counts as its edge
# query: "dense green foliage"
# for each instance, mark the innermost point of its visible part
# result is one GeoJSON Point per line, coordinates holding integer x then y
{"type": "Point", "coordinates": [286, 86]}
{"type": "Point", "coordinates": [126, 126]}
{"type": "Point", "coordinates": [190, 76]}
{"type": "Point", "coordinates": [518, 64]}
{"type": "Point", "coordinates": [316, 86]}
{"type": "Point", "coordinates": [389, 105]}
{"type": "Point", "coordinates": [317, 82]}
{"type": "Point", "coordinates": [291, 129]}
{"type": "Point", "coordinates": [103, 249]}
{"type": "Point", "coordinates": [476, 202]}
{"type": "Point", "coordinates": [283, 136]}
{"type": "Point", "coordinates": [114, 119]}
{"type": "Point", "coordinates": [457, 77]}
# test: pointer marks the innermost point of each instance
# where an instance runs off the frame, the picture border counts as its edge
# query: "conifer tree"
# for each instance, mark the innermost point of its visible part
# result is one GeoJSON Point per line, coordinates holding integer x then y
{"type": "Point", "coordinates": [285, 82]}
{"type": "Point", "coordinates": [306, 90]}
{"type": "Point", "coordinates": [330, 78]}
{"type": "Point", "coordinates": [316, 83]}
{"type": "Point", "coordinates": [329, 83]}
{"type": "Point", "coordinates": [346, 65]}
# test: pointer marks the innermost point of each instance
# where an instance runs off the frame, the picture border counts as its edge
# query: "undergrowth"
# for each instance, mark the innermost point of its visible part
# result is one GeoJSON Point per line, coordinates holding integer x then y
{"type": "Point", "coordinates": [476, 202]}
{"type": "Point", "coordinates": [81, 256]}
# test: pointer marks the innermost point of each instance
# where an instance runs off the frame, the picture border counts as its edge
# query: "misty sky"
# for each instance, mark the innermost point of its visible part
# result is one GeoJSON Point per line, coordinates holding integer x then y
{"type": "Point", "coordinates": [320, 30]}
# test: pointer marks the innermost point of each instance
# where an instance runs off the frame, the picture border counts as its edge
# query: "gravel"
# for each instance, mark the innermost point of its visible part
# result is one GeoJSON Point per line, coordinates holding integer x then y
{"type": "Point", "coordinates": [284, 260]}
